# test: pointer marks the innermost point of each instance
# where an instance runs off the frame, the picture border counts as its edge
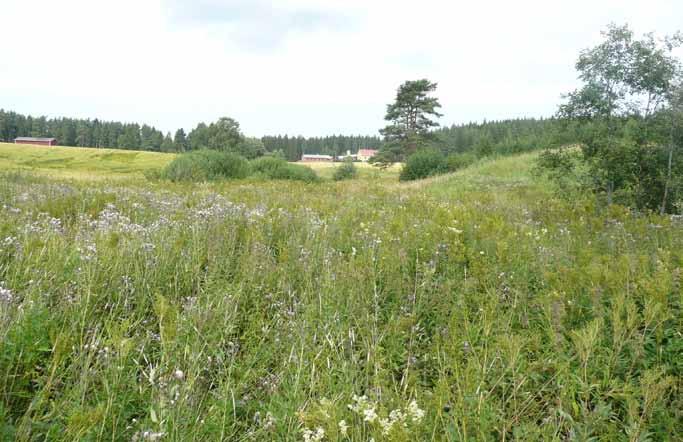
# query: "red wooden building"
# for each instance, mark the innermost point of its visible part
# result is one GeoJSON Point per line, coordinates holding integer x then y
{"type": "Point", "coordinates": [36, 141]}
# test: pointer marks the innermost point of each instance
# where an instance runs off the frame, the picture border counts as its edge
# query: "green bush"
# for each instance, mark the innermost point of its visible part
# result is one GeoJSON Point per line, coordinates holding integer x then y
{"type": "Point", "coordinates": [346, 171]}
{"type": "Point", "coordinates": [207, 165]}
{"type": "Point", "coordinates": [457, 161]}
{"type": "Point", "coordinates": [267, 165]}
{"type": "Point", "coordinates": [278, 169]}
{"type": "Point", "coordinates": [423, 164]}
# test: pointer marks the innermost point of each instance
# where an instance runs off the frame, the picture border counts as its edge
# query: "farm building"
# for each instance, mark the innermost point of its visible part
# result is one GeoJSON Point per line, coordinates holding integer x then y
{"type": "Point", "coordinates": [36, 141]}
{"type": "Point", "coordinates": [365, 154]}
{"type": "Point", "coordinates": [309, 158]}
{"type": "Point", "coordinates": [348, 156]}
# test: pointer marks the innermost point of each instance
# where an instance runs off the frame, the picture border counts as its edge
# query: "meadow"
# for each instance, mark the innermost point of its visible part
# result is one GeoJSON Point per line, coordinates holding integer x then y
{"type": "Point", "coordinates": [480, 305]}
{"type": "Point", "coordinates": [80, 163]}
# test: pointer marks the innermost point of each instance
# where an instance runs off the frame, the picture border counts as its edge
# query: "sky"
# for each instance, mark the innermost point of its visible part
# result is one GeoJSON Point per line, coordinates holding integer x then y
{"type": "Point", "coordinates": [300, 67]}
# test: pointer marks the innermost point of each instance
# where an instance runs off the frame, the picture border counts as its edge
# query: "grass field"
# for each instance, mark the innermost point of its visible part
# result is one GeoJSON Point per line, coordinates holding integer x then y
{"type": "Point", "coordinates": [78, 162]}
{"type": "Point", "coordinates": [473, 306]}
{"type": "Point", "coordinates": [325, 169]}
{"type": "Point", "coordinates": [98, 164]}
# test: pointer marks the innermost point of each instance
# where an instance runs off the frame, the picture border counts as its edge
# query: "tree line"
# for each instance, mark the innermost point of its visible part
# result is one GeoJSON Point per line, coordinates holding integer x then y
{"type": "Point", "coordinates": [627, 118]}
{"type": "Point", "coordinates": [223, 134]}
{"type": "Point", "coordinates": [292, 148]}
{"type": "Point", "coordinates": [505, 136]}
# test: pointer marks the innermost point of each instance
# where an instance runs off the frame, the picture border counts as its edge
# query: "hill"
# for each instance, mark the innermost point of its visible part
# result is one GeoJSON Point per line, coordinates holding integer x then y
{"type": "Point", "coordinates": [80, 162]}
{"type": "Point", "coordinates": [480, 305]}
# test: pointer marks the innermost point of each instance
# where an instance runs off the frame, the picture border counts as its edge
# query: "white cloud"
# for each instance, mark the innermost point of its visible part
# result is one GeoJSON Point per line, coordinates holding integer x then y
{"type": "Point", "coordinates": [299, 66]}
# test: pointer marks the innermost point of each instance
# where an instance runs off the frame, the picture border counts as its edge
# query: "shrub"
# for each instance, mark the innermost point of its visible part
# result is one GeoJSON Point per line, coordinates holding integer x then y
{"type": "Point", "coordinates": [346, 171]}
{"type": "Point", "coordinates": [267, 165]}
{"type": "Point", "coordinates": [206, 165]}
{"type": "Point", "coordinates": [279, 169]}
{"type": "Point", "coordinates": [423, 164]}
{"type": "Point", "coordinates": [457, 161]}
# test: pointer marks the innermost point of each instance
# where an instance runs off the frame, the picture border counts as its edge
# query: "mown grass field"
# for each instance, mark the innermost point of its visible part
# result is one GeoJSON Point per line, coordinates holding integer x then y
{"type": "Point", "coordinates": [79, 162]}
{"type": "Point", "coordinates": [365, 170]}
{"type": "Point", "coordinates": [473, 306]}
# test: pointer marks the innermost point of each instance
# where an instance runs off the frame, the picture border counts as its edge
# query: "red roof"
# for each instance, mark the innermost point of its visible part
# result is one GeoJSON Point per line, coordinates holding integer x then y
{"type": "Point", "coordinates": [367, 152]}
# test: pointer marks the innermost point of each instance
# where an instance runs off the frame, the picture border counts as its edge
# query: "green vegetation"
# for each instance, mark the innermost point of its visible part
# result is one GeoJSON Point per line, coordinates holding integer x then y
{"type": "Point", "coordinates": [493, 294]}
{"type": "Point", "coordinates": [346, 171]}
{"type": "Point", "coordinates": [422, 164]}
{"type": "Point", "coordinates": [278, 169]}
{"type": "Point", "coordinates": [223, 134]}
{"type": "Point", "coordinates": [206, 165]}
{"type": "Point", "coordinates": [632, 98]}
{"type": "Point", "coordinates": [410, 119]}
{"type": "Point", "coordinates": [473, 306]}
{"type": "Point", "coordinates": [457, 161]}
{"type": "Point", "coordinates": [292, 148]}
{"type": "Point", "coordinates": [87, 163]}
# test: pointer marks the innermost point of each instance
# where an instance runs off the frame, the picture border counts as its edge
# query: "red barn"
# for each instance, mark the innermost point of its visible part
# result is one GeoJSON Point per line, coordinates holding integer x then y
{"type": "Point", "coordinates": [36, 141]}
{"type": "Point", "coordinates": [365, 154]}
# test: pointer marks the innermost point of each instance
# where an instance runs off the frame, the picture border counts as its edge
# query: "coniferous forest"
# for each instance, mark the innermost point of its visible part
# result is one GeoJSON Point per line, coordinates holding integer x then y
{"type": "Point", "coordinates": [483, 138]}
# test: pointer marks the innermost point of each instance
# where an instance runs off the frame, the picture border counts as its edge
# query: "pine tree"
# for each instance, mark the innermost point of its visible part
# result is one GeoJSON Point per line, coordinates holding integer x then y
{"type": "Point", "coordinates": [411, 120]}
{"type": "Point", "coordinates": [167, 145]}
{"type": "Point", "coordinates": [180, 140]}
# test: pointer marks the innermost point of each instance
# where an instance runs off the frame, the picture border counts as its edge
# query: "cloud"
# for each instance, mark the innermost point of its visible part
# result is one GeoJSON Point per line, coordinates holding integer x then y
{"type": "Point", "coordinates": [253, 24]}
{"type": "Point", "coordinates": [310, 67]}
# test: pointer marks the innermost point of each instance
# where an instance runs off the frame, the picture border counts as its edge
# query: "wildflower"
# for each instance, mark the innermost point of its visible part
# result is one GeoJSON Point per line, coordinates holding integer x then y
{"type": "Point", "coordinates": [148, 435]}
{"type": "Point", "coordinates": [314, 436]}
{"type": "Point", "coordinates": [416, 414]}
{"type": "Point", "coordinates": [369, 415]}
{"type": "Point", "coordinates": [269, 421]}
{"type": "Point", "coordinates": [179, 375]}
{"type": "Point", "coordinates": [360, 403]}
{"type": "Point", "coordinates": [395, 417]}
{"type": "Point", "coordinates": [343, 427]}
{"type": "Point", "coordinates": [6, 295]}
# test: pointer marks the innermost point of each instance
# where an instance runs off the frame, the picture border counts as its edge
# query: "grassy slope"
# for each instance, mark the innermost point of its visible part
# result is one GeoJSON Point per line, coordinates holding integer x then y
{"type": "Point", "coordinates": [97, 164]}
{"type": "Point", "coordinates": [77, 162]}
{"type": "Point", "coordinates": [503, 311]}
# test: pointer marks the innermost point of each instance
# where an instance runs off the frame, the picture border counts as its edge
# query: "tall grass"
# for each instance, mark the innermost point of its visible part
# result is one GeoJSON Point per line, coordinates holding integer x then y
{"type": "Point", "coordinates": [474, 307]}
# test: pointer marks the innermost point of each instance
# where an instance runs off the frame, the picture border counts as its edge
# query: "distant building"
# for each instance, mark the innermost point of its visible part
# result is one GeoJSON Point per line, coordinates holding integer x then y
{"type": "Point", "coordinates": [348, 156]}
{"type": "Point", "coordinates": [310, 158]}
{"type": "Point", "coordinates": [365, 154]}
{"type": "Point", "coordinates": [36, 141]}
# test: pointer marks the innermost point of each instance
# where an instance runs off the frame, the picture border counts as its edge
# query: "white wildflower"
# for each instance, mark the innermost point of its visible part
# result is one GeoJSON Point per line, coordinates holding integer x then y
{"type": "Point", "coordinates": [148, 435]}
{"type": "Point", "coordinates": [369, 415]}
{"type": "Point", "coordinates": [416, 414]}
{"type": "Point", "coordinates": [6, 295]}
{"type": "Point", "coordinates": [395, 417]}
{"type": "Point", "coordinates": [343, 427]}
{"type": "Point", "coordinates": [269, 421]}
{"type": "Point", "coordinates": [314, 436]}
{"type": "Point", "coordinates": [179, 375]}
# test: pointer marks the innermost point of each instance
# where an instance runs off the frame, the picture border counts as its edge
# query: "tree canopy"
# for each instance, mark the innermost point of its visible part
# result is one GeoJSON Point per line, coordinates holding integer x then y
{"type": "Point", "coordinates": [411, 119]}
{"type": "Point", "coordinates": [628, 97]}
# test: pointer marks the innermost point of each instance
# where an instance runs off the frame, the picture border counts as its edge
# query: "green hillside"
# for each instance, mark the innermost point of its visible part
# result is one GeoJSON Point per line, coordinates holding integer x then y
{"type": "Point", "coordinates": [79, 162]}
{"type": "Point", "coordinates": [479, 305]}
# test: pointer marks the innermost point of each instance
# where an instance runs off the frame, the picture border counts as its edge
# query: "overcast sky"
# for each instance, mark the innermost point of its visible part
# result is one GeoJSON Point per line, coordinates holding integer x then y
{"type": "Point", "coordinates": [299, 66]}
